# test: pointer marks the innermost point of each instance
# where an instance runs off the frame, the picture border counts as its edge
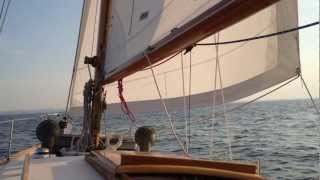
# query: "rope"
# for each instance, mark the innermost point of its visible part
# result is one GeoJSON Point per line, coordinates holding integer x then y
{"type": "Point", "coordinates": [153, 66]}
{"type": "Point", "coordinates": [85, 137]}
{"type": "Point", "coordinates": [5, 16]}
{"type": "Point", "coordinates": [184, 105]}
{"type": "Point", "coordinates": [213, 104]}
{"type": "Point", "coordinates": [260, 37]}
{"type": "Point", "coordinates": [165, 107]}
{"type": "Point", "coordinates": [226, 119]}
{"type": "Point", "coordinates": [2, 8]}
{"type": "Point", "coordinates": [124, 105]}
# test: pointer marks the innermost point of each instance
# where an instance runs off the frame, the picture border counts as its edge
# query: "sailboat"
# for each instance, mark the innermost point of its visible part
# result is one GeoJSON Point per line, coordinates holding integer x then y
{"type": "Point", "coordinates": [143, 56]}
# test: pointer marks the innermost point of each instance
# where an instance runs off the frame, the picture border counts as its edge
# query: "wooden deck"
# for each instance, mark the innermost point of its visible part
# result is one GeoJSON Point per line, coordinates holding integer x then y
{"type": "Point", "coordinates": [24, 167]}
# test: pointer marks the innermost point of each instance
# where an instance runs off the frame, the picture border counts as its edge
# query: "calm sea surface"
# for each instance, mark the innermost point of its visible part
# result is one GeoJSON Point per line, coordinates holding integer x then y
{"type": "Point", "coordinates": [283, 135]}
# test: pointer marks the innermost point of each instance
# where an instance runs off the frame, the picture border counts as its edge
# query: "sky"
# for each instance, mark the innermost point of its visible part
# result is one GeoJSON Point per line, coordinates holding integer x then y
{"type": "Point", "coordinates": [38, 43]}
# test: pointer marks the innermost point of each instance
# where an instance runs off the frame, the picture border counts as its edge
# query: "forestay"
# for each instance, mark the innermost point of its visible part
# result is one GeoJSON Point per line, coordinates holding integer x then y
{"type": "Point", "coordinates": [247, 68]}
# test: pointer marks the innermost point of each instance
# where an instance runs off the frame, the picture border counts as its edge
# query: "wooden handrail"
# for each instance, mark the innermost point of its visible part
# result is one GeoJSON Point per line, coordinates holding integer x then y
{"type": "Point", "coordinates": [26, 168]}
{"type": "Point", "coordinates": [188, 170]}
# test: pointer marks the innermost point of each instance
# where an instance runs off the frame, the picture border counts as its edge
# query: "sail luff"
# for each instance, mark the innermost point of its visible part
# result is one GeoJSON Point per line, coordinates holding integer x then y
{"type": "Point", "coordinates": [216, 18]}
{"type": "Point", "coordinates": [76, 58]}
{"type": "Point", "coordinates": [86, 47]}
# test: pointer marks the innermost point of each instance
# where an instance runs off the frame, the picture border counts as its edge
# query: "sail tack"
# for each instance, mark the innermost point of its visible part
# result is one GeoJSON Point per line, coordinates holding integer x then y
{"type": "Point", "coordinates": [246, 68]}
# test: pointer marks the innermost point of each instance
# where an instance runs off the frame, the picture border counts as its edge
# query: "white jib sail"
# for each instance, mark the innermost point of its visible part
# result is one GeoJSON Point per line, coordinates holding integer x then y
{"type": "Point", "coordinates": [247, 68]}
{"type": "Point", "coordinates": [87, 46]}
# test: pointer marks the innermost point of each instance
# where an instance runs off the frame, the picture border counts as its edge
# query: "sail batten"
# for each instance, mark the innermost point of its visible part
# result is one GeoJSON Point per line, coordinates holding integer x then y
{"type": "Point", "coordinates": [221, 15]}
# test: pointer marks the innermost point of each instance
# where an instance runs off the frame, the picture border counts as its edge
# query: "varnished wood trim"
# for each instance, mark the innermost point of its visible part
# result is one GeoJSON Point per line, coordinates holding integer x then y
{"type": "Point", "coordinates": [154, 160]}
{"type": "Point", "coordinates": [26, 167]}
{"type": "Point", "coordinates": [215, 19]}
{"type": "Point", "coordinates": [16, 155]}
{"type": "Point", "coordinates": [174, 169]}
{"type": "Point", "coordinates": [103, 166]}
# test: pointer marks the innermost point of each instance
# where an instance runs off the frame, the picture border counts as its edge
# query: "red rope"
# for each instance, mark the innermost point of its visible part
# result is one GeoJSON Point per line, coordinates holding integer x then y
{"type": "Point", "coordinates": [124, 105]}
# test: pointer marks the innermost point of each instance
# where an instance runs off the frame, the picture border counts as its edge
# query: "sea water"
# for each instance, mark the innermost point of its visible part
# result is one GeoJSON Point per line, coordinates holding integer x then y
{"type": "Point", "coordinates": [284, 136]}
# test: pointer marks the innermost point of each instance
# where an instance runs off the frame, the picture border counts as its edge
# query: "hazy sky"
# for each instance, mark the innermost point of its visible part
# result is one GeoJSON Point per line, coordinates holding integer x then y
{"type": "Point", "coordinates": [38, 44]}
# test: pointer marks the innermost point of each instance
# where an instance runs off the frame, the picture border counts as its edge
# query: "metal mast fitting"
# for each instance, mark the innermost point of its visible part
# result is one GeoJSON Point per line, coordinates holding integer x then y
{"type": "Point", "coordinates": [91, 60]}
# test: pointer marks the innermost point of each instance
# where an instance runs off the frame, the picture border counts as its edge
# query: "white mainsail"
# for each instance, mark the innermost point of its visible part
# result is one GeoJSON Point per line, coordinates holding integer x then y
{"type": "Point", "coordinates": [138, 24]}
{"type": "Point", "coordinates": [247, 68]}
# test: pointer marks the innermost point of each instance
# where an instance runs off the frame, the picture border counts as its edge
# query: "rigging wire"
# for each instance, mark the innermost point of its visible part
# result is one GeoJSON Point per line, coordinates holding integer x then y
{"type": "Point", "coordinates": [220, 114]}
{"type": "Point", "coordinates": [314, 105]}
{"type": "Point", "coordinates": [213, 104]}
{"type": "Point", "coordinates": [184, 104]}
{"type": "Point", "coordinates": [260, 37]}
{"type": "Point", "coordinates": [226, 119]}
{"type": "Point", "coordinates": [105, 118]}
{"type": "Point", "coordinates": [2, 7]}
{"type": "Point", "coordinates": [165, 107]}
{"type": "Point", "coordinates": [310, 95]}
{"type": "Point", "coordinates": [156, 65]}
{"type": "Point", "coordinates": [5, 16]}
{"type": "Point", "coordinates": [189, 98]}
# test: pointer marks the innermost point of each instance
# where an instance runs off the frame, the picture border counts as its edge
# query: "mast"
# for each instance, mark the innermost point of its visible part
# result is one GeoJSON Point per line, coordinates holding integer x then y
{"type": "Point", "coordinates": [98, 92]}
